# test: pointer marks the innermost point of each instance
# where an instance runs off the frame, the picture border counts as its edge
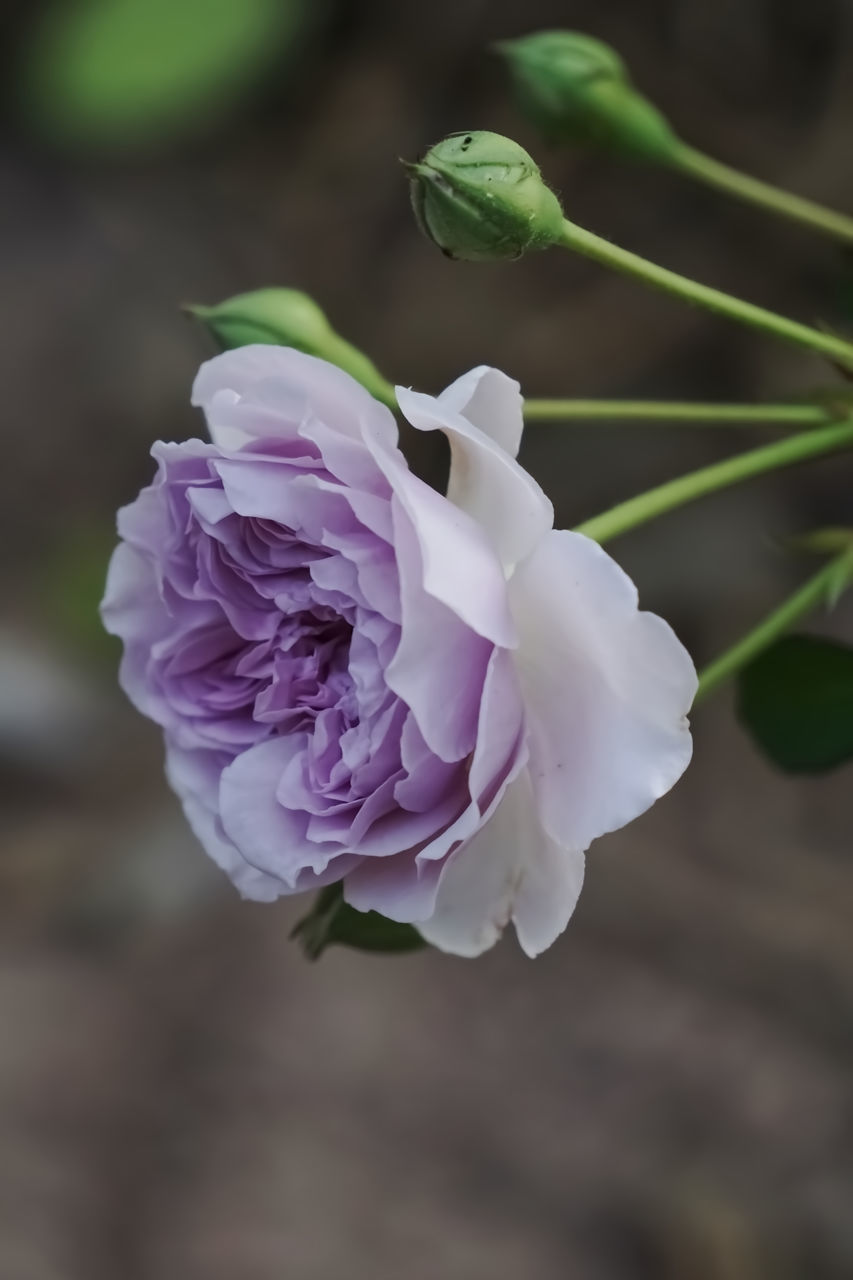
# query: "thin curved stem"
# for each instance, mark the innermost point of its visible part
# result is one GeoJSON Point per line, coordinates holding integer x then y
{"type": "Point", "coordinates": [721, 415]}
{"type": "Point", "coordinates": [676, 493]}
{"type": "Point", "coordinates": [746, 313]}
{"type": "Point", "coordinates": [704, 168]}
{"type": "Point", "coordinates": [823, 587]}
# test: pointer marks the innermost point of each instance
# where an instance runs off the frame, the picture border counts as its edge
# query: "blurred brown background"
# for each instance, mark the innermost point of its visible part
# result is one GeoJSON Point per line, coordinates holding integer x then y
{"type": "Point", "coordinates": [666, 1095]}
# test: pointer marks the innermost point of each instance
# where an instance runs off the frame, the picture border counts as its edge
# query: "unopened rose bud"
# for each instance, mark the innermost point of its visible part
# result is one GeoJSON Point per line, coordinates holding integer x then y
{"type": "Point", "coordinates": [288, 318]}
{"type": "Point", "coordinates": [480, 197]}
{"type": "Point", "coordinates": [575, 88]}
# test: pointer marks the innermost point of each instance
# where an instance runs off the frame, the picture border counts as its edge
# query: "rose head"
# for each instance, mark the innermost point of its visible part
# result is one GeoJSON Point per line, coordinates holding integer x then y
{"type": "Point", "coordinates": [440, 701]}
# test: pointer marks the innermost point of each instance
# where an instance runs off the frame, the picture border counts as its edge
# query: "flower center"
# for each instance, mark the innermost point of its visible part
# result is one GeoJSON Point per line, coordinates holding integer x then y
{"type": "Point", "coordinates": [243, 691]}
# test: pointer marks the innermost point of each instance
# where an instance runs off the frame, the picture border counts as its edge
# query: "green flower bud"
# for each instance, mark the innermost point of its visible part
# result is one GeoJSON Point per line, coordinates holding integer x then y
{"type": "Point", "coordinates": [576, 89]}
{"type": "Point", "coordinates": [481, 197]}
{"type": "Point", "coordinates": [288, 318]}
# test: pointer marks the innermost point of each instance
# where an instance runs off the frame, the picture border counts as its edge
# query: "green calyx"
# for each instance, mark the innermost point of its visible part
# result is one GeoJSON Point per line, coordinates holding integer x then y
{"type": "Point", "coordinates": [574, 88]}
{"type": "Point", "coordinates": [480, 197]}
{"type": "Point", "coordinates": [330, 921]}
{"type": "Point", "coordinates": [288, 318]}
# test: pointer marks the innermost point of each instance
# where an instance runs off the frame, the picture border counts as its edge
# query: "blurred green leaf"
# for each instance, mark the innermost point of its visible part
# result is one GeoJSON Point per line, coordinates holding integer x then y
{"type": "Point", "coordinates": [331, 920]}
{"type": "Point", "coordinates": [796, 700]}
{"type": "Point", "coordinates": [72, 588]}
{"type": "Point", "coordinates": [824, 542]}
{"type": "Point", "coordinates": [109, 72]}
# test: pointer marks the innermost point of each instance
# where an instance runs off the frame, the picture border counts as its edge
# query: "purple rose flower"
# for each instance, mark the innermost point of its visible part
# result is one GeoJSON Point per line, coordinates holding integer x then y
{"type": "Point", "coordinates": [440, 701]}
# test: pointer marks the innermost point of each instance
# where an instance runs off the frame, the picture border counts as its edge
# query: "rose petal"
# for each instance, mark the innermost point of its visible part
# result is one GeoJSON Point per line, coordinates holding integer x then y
{"type": "Point", "coordinates": [131, 603]}
{"type": "Point", "coordinates": [510, 869]}
{"type": "Point", "coordinates": [133, 609]}
{"type": "Point", "coordinates": [500, 749]}
{"type": "Point", "coordinates": [194, 776]}
{"type": "Point", "coordinates": [459, 564]}
{"type": "Point", "coordinates": [490, 401]}
{"type": "Point", "coordinates": [291, 382]}
{"type": "Point", "coordinates": [269, 835]}
{"type": "Point", "coordinates": [607, 690]}
{"type": "Point", "coordinates": [550, 886]}
{"type": "Point", "coordinates": [485, 480]}
{"type": "Point", "coordinates": [437, 652]}
{"type": "Point", "coordinates": [397, 887]}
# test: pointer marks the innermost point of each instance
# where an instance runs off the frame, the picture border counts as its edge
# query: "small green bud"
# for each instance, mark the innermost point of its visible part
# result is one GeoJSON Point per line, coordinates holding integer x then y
{"type": "Point", "coordinates": [288, 318]}
{"type": "Point", "coordinates": [577, 89]}
{"type": "Point", "coordinates": [480, 197]}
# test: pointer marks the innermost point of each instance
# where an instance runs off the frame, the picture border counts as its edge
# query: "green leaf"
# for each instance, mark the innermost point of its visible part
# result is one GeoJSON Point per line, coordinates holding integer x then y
{"type": "Point", "coordinates": [331, 920]}
{"type": "Point", "coordinates": [796, 700]}
{"type": "Point", "coordinates": [108, 72]}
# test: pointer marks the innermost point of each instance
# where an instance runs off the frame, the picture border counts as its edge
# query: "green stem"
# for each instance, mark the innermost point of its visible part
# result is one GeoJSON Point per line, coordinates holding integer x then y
{"type": "Point", "coordinates": [611, 255]}
{"type": "Point", "coordinates": [723, 415]}
{"type": "Point", "coordinates": [714, 174]}
{"type": "Point", "coordinates": [816, 591]}
{"type": "Point", "coordinates": [783, 453]}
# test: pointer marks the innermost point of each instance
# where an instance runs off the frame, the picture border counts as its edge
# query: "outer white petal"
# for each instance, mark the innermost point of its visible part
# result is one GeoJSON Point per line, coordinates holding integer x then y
{"type": "Point", "coordinates": [607, 689]}
{"type": "Point", "coordinates": [550, 887]}
{"type": "Point", "coordinates": [490, 401]}
{"type": "Point", "coordinates": [510, 870]}
{"type": "Point", "coordinates": [485, 480]}
{"type": "Point", "coordinates": [277, 387]}
{"type": "Point", "coordinates": [459, 566]}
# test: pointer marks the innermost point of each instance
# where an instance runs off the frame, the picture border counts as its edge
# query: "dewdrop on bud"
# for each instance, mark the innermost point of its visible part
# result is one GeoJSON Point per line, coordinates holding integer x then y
{"type": "Point", "coordinates": [480, 197]}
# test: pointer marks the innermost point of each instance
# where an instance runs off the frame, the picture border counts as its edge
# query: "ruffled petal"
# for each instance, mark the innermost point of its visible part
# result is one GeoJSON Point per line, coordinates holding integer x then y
{"type": "Point", "coordinates": [607, 690]}
{"type": "Point", "coordinates": [485, 480]}
{"type": "Point", "coordinates": [133, 610]}
{"type": "Point", "coordinates": [285, 386]}
{"type": "Point", "coordinates": [459, 565]}
{"type": "Point", "coordinates": [510, 870]}
{"type": "Point", "coordinates": [491, 402]}
{"type": "Point", "coordinates": [440, 664]}
{"type": "Point", "coordinates": [397, 887]}
{"type": "Point", "coordinates": [269, 835]}
{"type": "Point", "coordinates": [550, 886]}
{"type": "Point", "coordinates": [194, 776]}
{"type": "Point", "coordinates": [404, 886]}
{"type": "Point", "coordinates": [131, 605]}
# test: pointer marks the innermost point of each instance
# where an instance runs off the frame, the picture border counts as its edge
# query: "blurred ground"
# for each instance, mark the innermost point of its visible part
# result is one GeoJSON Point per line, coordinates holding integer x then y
{"type": "Point", "coordinates": [667, 1093]}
